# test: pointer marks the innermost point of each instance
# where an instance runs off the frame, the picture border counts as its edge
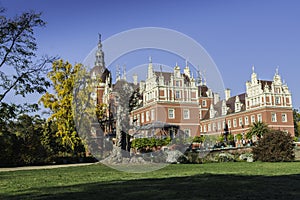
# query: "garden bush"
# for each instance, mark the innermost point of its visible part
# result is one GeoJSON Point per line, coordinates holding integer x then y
{"type": "Point", "coordinates": [274, 146]}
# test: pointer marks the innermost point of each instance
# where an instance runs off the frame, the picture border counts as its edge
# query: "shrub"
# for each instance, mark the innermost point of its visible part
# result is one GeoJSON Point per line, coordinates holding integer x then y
{"type": "Point", "coordinates": [275, 146]}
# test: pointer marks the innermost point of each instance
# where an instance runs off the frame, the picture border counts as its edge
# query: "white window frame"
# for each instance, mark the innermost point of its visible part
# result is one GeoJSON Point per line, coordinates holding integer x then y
{"type": "Point", "coordinates": [284, 117]}
{"type": "Point", "coordinates": [186, 114]}
{"type": "Point", "coordinates": [259, 117]}
{"type": "Point", "coordinates": [142, 118]}
{"type": "Point", "coordinates": [219, 126]}
{"type": "Point", "coordinates": [177, 94]}
{"type": "Point", "coordinates": [203, 103]}
{"type": "Point", "coordinates": [152, 114]}
{"type": "Point", "coordinates": [209, 127]}
{"type": "Point", "coordinates": [147, 116]}
{"type": "Point", "coordinates": [171, 113]}
{"type": "Point", "coordinates": [277, 100]}
{"type": "Point", "coordinates": [138, 120]}
{"type": "Point", "coordinates": [204, 129]}
{"type": "Point", "coordinates": [229, 123]}
{"type": "Point", "coordinates": [252, 119]}
{"type": "Point", "coordinates": [273, 117]}
{"type": "Point", "coordinates": [234, 123]}
{"type": "Point", "coordinates": [246, 120]}
{"type": "Point", "coordinates": [240, 121]}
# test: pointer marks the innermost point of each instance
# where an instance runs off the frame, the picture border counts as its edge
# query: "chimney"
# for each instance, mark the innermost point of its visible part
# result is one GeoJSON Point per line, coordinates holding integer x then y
{"type": "Point", "coordinates": [227, 94]}
{"type": "Point", "coordinates": [135, 79]}
{"type": "Point", "coordinates": [216, 98]}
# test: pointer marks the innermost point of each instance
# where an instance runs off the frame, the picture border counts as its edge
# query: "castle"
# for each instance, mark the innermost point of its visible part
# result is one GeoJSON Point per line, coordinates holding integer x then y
{"type": "Point", "coordinates": [176, 101]}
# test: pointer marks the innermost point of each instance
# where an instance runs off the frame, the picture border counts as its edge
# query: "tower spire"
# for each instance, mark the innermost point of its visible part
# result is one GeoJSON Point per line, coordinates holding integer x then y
{"type": "Point", "coordinates": [99, 54]}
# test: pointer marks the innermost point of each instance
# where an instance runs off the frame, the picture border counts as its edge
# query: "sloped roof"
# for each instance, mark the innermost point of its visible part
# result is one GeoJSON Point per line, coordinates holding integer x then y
{"type": "Point", "coordinates": [230, 104]}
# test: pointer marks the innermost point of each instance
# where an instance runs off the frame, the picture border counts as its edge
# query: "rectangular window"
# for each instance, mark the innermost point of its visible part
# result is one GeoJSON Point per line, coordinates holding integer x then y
{"type": "Point", "coordinates": [240, 122]}
{"type": "Point", "coordinates": [138, 120]}
{"type": "Point", "coordinates": [187, 132]}
{"type": "Point", "coordinates": [142, 120]}
{"type": "Point", "coordinates": [214, 127]}
{"type": "Point", "coordinates": [131, 121]}
{"type": "Point", "coordinates": [177, 83]}
{"type": "Point", "coordinates": [203, 103]}
{"type": "Point", "coordinates": [284, 117]}
{"type": "Point", "coordinates": [186, 114]}
{"type": "Point", "coordinates": [177, 94]}
{"type": "Point", "coordinates": [277, 100]}
{"type": "Point", "coordinates": [171, 113]}
{"type": "Point", "coordinates": [147, 116]}
{"type": "Point", "coordinates": [229, 123]}
{"type": "Point", "coordinates": [252, 119]}
{"type": "Point", "coordinates": [273, 117]}
{"type": "Point", "coordinates": [259, 118]}
{"type": "Point", "coordinates": [246, 120]}
{"type": "Point", "coordinates": [209, 127]}
{"type": "Point", "coordinates": [234, 122]}
{"type": "Point", "coordinates": [219, 125]}
{"type": "Point", "coordinates": [152, 114]}
{"type": "Point", "coordinates": [204, 129]}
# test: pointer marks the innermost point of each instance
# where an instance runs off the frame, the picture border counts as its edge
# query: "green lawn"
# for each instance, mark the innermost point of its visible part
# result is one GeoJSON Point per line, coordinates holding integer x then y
{"type": "Point", "coordinates": [206, 181]}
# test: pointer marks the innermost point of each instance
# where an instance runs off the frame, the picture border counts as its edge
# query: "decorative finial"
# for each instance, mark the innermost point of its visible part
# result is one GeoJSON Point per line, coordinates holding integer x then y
{"type": "Point", "coordinates": [176, 64]}
{"type": "Point", "coordinates": [186, 62]}
{"type": "Point", "coordinates": [99, 37]}
{"type": "Point", "coordinates": [150, 59]}
{"type": "Point", "coordinates": [277, 70]}
{"type": "Point", "coordinates": [252, 68]}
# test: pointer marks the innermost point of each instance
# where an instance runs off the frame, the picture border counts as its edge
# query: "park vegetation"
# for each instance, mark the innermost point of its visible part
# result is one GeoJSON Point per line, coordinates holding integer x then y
{"type": "Point", "coordinates": [29, 139]}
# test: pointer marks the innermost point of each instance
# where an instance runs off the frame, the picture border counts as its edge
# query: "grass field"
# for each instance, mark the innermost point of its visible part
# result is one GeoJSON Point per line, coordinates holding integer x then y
{"type": "Point", "coordinates": [207, 181]}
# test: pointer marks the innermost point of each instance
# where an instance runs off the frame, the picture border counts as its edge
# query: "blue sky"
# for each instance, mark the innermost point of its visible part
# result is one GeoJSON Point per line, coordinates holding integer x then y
{"type": "Point", "coordinates": [237, 34]}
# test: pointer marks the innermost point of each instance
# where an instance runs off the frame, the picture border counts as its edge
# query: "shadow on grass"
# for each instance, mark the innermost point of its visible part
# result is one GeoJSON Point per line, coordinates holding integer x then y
{"type": "Point", "coordinates": [206, 186]}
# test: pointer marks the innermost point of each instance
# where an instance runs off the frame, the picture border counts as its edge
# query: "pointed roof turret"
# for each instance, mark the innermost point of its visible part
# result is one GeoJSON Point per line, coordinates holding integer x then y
{"type": "Point", "coordinates": [99, 54]}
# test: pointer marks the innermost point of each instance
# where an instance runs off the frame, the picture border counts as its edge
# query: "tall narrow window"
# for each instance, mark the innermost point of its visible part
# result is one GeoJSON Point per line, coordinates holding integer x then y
{"type": "Point", "coordinates": [186, 114]}
{"type": "Point", "coordinates": [273, 117]}
{"type": "Point", "coordinates": [240, 122]}
{"type": "Point", "coordinates": [171, 113]}
{"type": "Point", "coordinates": [284, 117]}
{"type": "Point", "coordinates": [234, 122]}
{"type": "Point", "coordinates": [142, 118]}
{"type": "Point", "coordinates": [177, 94]}
{"type": "Point", "coordinates": [147, 116]}
{"type": "Point", "coordinates": [252, 118]}
{"type": "Point", "coordinates": [246, 120]}
{"type": "Point", "coordinates": [229, 123]}
{"type": "Point", "coordinates": [259, 118]}
{"type": "Point", "coordinates": [152, 114]}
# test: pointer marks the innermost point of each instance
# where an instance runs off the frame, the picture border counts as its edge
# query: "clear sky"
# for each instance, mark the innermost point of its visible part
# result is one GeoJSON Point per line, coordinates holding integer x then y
{"type": "Point", "coordinates": [237, 34]}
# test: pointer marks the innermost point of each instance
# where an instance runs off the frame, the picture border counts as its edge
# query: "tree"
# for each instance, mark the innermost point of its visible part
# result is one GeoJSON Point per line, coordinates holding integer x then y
{"type": "Point", "coordinates": [274, 146]}
{"type": "Point", "coordinates": [21, 142]}
{"type": "Point", "coordinates": [296, 115]}
{"type": "Point", "coordinates": [63, 76]}
{"type": "Point", "coordinates": [257, 129]}
{"type": "Point", "coordinates": [21, 72]}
